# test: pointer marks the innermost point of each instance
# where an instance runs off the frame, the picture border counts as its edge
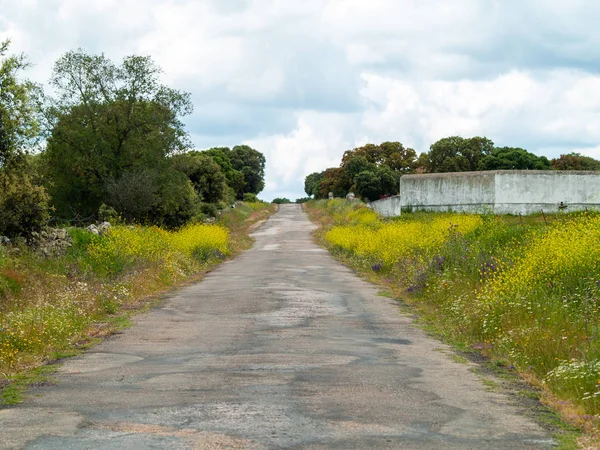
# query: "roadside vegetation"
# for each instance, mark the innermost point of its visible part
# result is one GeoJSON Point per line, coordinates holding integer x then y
{"type": "Point", "coordinates": [522, 291]}
{"type": "Point", "coordinates": [52, 306]}
{"type": "Point", "coordinates": [106, 144]}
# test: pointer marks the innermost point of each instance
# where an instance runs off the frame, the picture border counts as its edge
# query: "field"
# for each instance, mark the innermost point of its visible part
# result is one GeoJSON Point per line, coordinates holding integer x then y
{"type": "Point", "coordinates": [525, 293]}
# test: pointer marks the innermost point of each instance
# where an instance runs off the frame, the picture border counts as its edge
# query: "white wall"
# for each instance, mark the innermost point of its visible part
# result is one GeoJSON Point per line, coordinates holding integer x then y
{"type": "Point", "coordinates": [387, 207]}
{"type": "Point", "coordinates": [528, 192]}
{"type": "Point", "coordinates": [465, 191]}
{"type": "Point", "coordinates": [502, 191]}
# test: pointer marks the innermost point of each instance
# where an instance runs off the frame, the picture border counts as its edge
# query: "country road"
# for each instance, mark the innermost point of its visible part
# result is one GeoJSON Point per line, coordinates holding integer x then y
{"type": "Point", "coordinates": [282, 347]}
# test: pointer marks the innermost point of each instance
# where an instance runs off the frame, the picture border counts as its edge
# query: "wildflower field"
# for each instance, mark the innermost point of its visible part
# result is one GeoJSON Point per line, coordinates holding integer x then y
{"type": "Point", "coordinates": [526, 294]}
{"type": "Point", "coordinates": [50, 306]}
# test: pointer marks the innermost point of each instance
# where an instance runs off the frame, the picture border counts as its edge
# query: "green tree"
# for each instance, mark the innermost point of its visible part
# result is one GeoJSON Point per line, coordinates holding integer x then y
{"type": "Point", "coordinates": [311, 183]}
{"type": "Point", "coordinates": [205, 175]}
{"type": "Point", "coordinates": [373, 184]}
{"type": "Point", "coordinates": [506, 158]}
{"type": "Point", "coordinates": [281, 200]}
{"type": "Point", "coordinates": [575, 161]}
{"type": "Point", "coordinates": [23, 203]}
{"type": "Point", "coordinates": [235, 178]}
{"type": "Point", "coordinates": [251, 163]}
{"type": "Point", "coordinates": [391, 154]}
{"type": "Point", "coordinates": [334, 180]}
{"type": "Point", "coordinates": [19, 128]}
{"type": "Point", "coordinates": [457, 154]}
{"type": "Point", "coordinates": [111, 122]}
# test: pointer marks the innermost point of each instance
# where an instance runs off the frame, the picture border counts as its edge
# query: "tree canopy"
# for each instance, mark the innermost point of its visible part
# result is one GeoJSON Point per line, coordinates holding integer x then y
{"type": "Point", "coordinates": [457, 154]}
{"type": "Point", "coordinates": [23, 203]}
{"type": "Point", "coordinates": [575, 161]}
{"type": "Point", "coordinates": [506, 158]}
{"type": "Point", "coordinates": [110, 125]}
{"type": "Point", "coordinates": [312, 183]}
{"type": "Point", "coordinates": [18, 125]}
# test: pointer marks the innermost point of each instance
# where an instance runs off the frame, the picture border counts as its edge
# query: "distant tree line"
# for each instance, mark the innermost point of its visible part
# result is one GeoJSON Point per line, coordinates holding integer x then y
{"type": "Point", "coordinates": [373, 171]}
{"type": "Point", "coordinates": [108, 141]}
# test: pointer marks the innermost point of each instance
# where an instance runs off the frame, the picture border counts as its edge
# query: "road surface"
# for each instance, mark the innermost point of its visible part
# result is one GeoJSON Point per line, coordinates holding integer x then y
{"type": "Point", "coordinates": [282, 347]}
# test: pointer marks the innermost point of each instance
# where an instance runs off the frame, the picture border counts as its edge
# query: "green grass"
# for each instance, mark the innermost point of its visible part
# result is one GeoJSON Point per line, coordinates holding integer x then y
{"type": "Point", "coordinates": [15, 392]}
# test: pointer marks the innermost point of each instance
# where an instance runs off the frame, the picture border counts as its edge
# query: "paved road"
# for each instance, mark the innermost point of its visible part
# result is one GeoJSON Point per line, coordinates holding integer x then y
{"type": "Point", "coordinates": [281, 348]}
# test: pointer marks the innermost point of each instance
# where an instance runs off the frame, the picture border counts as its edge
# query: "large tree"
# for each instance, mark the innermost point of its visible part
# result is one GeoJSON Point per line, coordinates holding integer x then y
{"type": "Point", "coordinates": [376, 183]}
{"type": "Point", "coordinates": [109, 125]}
{"type": "Point", "coordinates": [391, 154]}
{"type": "Point", "coordinates": [251, 163]}
{"type": "Point", "coordinates": [205, 174]}
{"type": "Point", "coordinates": [457, 154]}
{"type": "Point", "coordinates": [235, 179]}
{"type": "Point", "coordinates": [334, 180]}
{"type": "Point", "coordinates": [575, 161]}
{"type": "Point", "coordinates": [23, 203]}
{"type": "Point", "coordinates": [18, 125]}
{"type": "Point", "coordinates": [311, 184]}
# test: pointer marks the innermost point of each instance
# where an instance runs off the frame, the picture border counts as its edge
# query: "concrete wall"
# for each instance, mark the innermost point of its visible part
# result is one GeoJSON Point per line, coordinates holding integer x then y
{"type": "Point", "coordinates": [387, 207]}
{"type": "Point", "coordinates": [502, 191]}
{"type": "Point", "coordinates": [528, 192]}
{"type": "Point", "coordinates": [465, 192]}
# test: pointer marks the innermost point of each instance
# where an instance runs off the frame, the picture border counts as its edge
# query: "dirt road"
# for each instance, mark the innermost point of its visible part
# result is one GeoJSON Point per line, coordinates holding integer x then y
{"type": "Point", "coordinates": [281, 348]}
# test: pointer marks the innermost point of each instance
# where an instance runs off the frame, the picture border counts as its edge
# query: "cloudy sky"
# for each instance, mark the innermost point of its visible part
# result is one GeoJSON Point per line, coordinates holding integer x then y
{"type": "Point", "coordinates": [304, 80]}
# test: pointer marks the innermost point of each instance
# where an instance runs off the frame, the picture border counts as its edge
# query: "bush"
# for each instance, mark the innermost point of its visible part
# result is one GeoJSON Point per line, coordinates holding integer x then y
{"type": "Point", "coordinates": [281, 200]}
{"type": "Point", "coordinates": [249, 197]}
{"type": "Point", "coordinates": [108, 214]}
{"type": "Point", "coordinates": [23, 205]}
{"type": "Point", "coordinates": [209, 209]}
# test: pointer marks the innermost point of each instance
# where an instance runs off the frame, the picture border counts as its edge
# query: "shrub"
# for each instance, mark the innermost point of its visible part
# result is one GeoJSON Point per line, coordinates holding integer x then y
{"type": "Point", "coordinates": [249, 197]}
{"type": "Point", "coordinates": [209, 209]}
{"type": "Point", "coordinates": [23, 205]}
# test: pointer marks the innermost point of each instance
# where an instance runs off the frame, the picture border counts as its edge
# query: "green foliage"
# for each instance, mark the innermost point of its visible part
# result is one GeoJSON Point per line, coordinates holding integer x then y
{"type": "Point", "coordinates": [249, 197]}
{"type": "Point", "coordinates": [513, 158]}
{"type": "Point", "coordinates": [110, 128]}
{"type": "Point", "coordinates": [243, 167]}
{"type": "Point", "coordinates": [303, 199]}
{"type": "Point", "coordinates": [575, 161]}
{"type": "Point", "coordinates": [281, 200]}
{"type": "Point", "coordinates": [311, 183]}
{"type": "Point", "coordinates": [177, 201]}
{"type": "Point", "coordinates": [23, 205]}
{"type": "Point", "coordinates": [390, 154]}
{"type": "Point", "coordinates": [209, 209]}
{"type": "Point", "coordinates": [375, 183]}
{"type": "Point", "coordinates": [334, 180]}
{"type": "Point", "coordinates": [251, 163]}
{"type": "Point", "coordinates": [235, 178]}
{"type": "Point", "coordinates": [108, 214]}
{"type": "Point", "coordinates": [457, 154]}
{"type": "Point", "coordinates": [18, 125]}
{"type": "Point", "coordinates": [205, 175]}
